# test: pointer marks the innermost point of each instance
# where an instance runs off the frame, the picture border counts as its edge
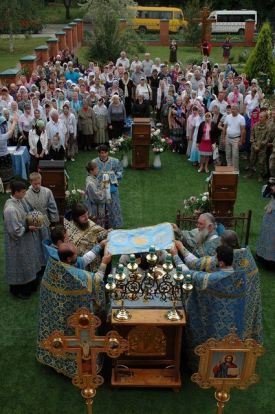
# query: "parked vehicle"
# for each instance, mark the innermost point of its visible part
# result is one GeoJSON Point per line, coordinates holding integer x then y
{"type": "Point", "coordinates": [148, 18]}
{"type": "Point", "coordinates": [231, 21]}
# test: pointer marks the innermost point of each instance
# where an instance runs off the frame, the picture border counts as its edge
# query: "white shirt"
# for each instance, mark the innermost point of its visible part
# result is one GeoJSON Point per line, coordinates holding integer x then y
{"type": "Point", "coordinates": [33, 140]}
{"type": "Point", "coordinates": [134, 64]}
{"type": "Point", "coordinates": [221, 105]}
{"type": "Point", "coordinates": [145, 90]}
{"type": "Point", "coordinates": [234, 124]}
{"type": "Point", "coordinates": [251, 104]}
{"type": "Point", "coordinates": [124, 61]}
{"type": "Point", "coordinates": [56, 127]}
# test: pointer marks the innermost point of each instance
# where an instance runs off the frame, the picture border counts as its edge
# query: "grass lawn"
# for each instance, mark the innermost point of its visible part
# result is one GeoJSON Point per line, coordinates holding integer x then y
{"type": "Point", "coordinates": [186, 54]}
{"type": "Point", "coordinates": [55, 13]}
{"type": "Point", "coordinates": [22, 47]}
{"type": "Point", "coordinates": [147, 197]}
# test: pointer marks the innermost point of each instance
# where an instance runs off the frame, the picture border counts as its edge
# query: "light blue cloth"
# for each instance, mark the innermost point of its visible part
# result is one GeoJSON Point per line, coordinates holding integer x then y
{"type": "Point", "coordinates": [20, 160]}
{"type": "Point", "coordinates": [139, 240]}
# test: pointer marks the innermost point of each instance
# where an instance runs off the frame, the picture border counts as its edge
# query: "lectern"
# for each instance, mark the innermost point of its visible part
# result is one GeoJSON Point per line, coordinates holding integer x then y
{"type": "Point", "coordinates": [223, 191]}
{"type": "Point", "coordinates": [141, 136]}
{"type": "Point", "coordinates": [153, 357]}
{"type": "Point", "coordinates": [53, 177]}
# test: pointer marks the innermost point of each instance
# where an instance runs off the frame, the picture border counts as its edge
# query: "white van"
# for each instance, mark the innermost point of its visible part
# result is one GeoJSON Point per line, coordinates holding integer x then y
{"type": "Point", "coordinates": [231, 21]}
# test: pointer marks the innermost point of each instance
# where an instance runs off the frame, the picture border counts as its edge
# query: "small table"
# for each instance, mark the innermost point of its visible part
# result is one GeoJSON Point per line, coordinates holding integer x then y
{"type": "Point", "coordinates": [153, 358]}
{"type": "Point", "coordinates": [20, 160]}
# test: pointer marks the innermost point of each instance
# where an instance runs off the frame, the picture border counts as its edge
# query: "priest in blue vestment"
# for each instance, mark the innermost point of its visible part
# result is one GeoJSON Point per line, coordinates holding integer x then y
{"type": "Point", "coordinates": [64, 289]}
{"type": "Point", "coordinates": [243, 261]}
{"type": "Point", "coordinates": [110, 173]}
{"type": "Point", "coordinates": [203, 240]}
{"type": "Point", "coordinates": [216, 304]}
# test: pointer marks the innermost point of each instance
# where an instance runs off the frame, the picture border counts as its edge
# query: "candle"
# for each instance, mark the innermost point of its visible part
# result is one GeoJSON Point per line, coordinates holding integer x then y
{"type": "Point", "coordinates": [110, 279]}
{"type": "Point", "coordinates": [152, 249]}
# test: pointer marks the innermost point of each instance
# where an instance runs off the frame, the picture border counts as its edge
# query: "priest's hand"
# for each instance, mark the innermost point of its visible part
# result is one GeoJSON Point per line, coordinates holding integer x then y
{"type": "Point", "coordinates": [175, 227]}
{"type": "Point", "coordinates": [174, 250]}
{"type": "Point", "coordinates": [106, 259]}
{"type": "Point", "coordinates": [103, 243]}
{"type": "Point", "coordinates": [179, 245]}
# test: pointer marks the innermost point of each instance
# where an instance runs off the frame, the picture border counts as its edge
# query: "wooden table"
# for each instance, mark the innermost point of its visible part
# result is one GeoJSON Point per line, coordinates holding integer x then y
{"type": "Point", "coordinates": [153, 358]}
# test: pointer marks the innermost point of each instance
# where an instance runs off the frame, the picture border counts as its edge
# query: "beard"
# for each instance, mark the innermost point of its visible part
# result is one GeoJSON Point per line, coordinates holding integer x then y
{"type": "Point", "coordinates": [202, 236]}
{"type": "Point", "coordinates": [82, 226]}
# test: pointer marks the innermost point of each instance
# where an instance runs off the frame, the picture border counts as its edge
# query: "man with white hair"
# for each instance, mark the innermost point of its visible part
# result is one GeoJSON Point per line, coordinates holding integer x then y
{"type": "Point", "coordinates": [56, 126]}
{"type": "Point", "coordinates": [123, 60]}
{"type": "Point", "coordinates": [203, 240]}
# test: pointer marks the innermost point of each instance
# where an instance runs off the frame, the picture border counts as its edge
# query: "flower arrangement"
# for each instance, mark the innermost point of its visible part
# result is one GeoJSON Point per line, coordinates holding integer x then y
{"type": "Point", "coordinates": [73, 197]}
{"type": "Point", "coordinates": [120, 145]}
{"type": "Point", "coordinates": [158, 142]}
{"type": "Point", "coordinates": [194, 206]}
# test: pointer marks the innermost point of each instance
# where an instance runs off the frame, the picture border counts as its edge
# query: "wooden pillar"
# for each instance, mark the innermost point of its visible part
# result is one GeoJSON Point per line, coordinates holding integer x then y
{"type": "Point", "coordinates": [80, 30]}
{"type": "Point", "coordinates": [61, 37]}
{"type": "Point", "coordinates": [164, 32]}
{"type": "Point", "coordinates": [42, 54]}
{"type": "Point", "coordinates": [28, 64]}
{"type": "Point", "coordinates": [208, 30]}
{"type": "Point", "coordinates": [249, 32]}
{"type": "Point", "coordinates": [74, 34]}
{"type": "Point", "coordinates": [8, 76]}
{"type": "Point", "coordinates": [69, 37]}
{"type": "Point", "coordinates": [53, 47]}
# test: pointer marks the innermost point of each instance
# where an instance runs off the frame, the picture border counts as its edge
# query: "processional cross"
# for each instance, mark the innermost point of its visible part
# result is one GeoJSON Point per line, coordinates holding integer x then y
{"type": "Point", "coordinates": [205, 22]}
{"type": "Point", "coordinates": [86, 345]}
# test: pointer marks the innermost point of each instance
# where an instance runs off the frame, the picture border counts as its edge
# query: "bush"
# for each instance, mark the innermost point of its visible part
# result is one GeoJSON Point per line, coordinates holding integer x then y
{"type": "Point", "coordinates": [260, 60]}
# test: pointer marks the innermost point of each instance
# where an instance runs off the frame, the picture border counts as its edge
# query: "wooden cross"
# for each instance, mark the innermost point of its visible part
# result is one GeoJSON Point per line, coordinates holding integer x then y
{"type": "Point", "coordinates": [86, 345]}
{"type": "Point", "coordinates": [205, 22]}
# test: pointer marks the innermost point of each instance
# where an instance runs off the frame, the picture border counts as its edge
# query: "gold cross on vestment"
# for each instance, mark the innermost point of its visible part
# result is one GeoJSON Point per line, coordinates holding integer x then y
{"type": "Point", "coordinates": [86, 345]}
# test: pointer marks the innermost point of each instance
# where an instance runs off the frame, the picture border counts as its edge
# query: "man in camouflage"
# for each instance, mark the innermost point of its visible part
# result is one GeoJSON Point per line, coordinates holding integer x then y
{"type": "Point", "coordinates": [271, 127]}
{"type": "Point", "coordinates": [259, 139]}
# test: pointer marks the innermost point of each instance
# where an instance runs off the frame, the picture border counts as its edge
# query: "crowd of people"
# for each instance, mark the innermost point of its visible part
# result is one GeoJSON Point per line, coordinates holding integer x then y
{"type": "Point", "coordinates": [208, 112]}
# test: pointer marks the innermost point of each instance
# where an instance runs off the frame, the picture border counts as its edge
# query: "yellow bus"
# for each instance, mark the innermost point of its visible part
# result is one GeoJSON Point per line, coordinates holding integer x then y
{"type": "Point", "coordinates": [148, 18]}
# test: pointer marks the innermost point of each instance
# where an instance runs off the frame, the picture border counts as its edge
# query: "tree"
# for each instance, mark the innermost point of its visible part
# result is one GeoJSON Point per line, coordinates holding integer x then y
{"type": "Point", "coordinates": [15, 12]}
{"type": "Point", "coordinates": [67, 5]}
{"type": "Point", "coordinates": [106, 39]}
{"type": "Point", "coordinates": [260, 59]}
{"type": "Point", "coordinates": [193, 31]}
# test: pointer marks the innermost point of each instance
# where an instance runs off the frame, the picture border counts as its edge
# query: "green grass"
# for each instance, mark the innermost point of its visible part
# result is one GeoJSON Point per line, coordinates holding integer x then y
{"type": "Point", "coordinates": [55, 13]}
{"type": "Point", "coordinates": [22, 47]}
{"type": "Point", "coordinates": [185, 53]}
{"type": "Point", "coordinates": [147, 197]}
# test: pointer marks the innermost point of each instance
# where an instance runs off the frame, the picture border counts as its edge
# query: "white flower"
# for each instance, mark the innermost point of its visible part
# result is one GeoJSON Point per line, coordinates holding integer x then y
{"type": "Point", "coordinates": [67, 193]}
{"type": "Point", "coordinates": [192, 199]}
{"type": "Point", "coordinates": [158, 125]}
{"type": "Point", "coordinates": [186, 207]}
{"type": "Point", "coordinates": [161, 149]}
{"type": "Point", "coordinates": [204, 198]}
{"type": "Point", "coordinates": [157, 131]}
{"type": "Point", "coordinates": [206, 193]}
{"type": "Point", "coordinates": [74, 192]}
{"type": "Point", "coordinates": [162, 139]}
{"type": "Point", "coordinates": [110, 142]}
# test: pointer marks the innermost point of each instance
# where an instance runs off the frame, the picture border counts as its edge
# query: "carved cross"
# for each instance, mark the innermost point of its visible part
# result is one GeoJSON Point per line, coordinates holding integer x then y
{"type": "Point", "coordinates": [86, 345]}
